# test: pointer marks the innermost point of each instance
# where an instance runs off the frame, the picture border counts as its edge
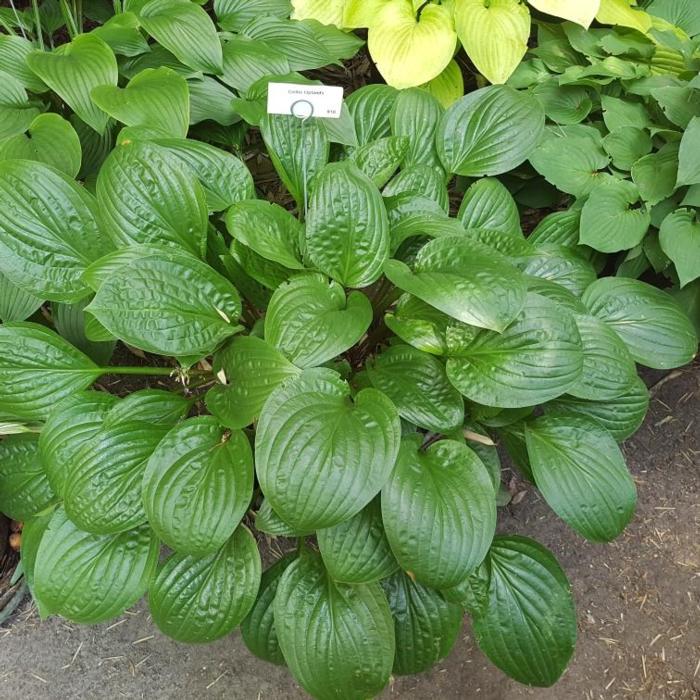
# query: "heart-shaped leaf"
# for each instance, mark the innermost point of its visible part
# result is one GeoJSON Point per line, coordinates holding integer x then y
{"type": "Point", "coordinates": [465, 280]}
{"type": "Point", "coordinates": [311, 321]}
{"type": "Point", "coordinates": [537, 358]}
{"type": "Point", "coordinates": [337, 639]}
{"type": "Point", "coordinates": [347, 229]}
{"type": "Point", "coordinates": [487, 204]}
{"type": "Point", "coordinates": [680, 240]}
{"type": "Point", "coordinates": [439, 511]}
{"type": "Point", "coordinates": [200, 599]}
{"type": "Point", "coordinates": [410, 50]}
{"type": "Point", "coordinates": [90, 578]}
{"type": "Point", "coordinates": [582, 475]}
{"type": "Point", "coordinates": [425, 624]}
{"type": "Point", "coordinates": [650, 321]}
{"type": "Point", "coordinates": [49, 232]}
{"type": "Point", "coordinates": [489, 131]}
{"type": "Point", "coordinates": [73, 70]}
{"type": "Point", "coordinates": [186, 30]}
{"type": "Point", "coordinates": [197, 485]}
{"type": "Point", "coordinates": [38, 369]}
{"type": "Point", "coordinates": [321, 458]}
{"type": "Point", "coordinates": [156, 97]}
{"type": "Point", "coordinates": [357, 550]}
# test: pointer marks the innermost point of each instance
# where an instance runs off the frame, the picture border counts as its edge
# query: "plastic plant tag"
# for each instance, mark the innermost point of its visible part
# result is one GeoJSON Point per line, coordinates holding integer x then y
{"type": "Point", "coordinates": [304, 101]}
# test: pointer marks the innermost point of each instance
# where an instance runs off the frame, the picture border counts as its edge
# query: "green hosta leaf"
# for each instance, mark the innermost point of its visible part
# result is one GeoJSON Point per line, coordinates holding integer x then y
{"type": "Point", "coordinates": [13, 61]}
{"type": "Point", "coordinates": [347, 229]}
{"type": "Point", "coordinates": [16, 113]}
{"type": "Point", "coordinates": [200, 599]}
{"type": "Point", "coordinates": [24, 488]}
{"type": "Point", "coordinates": [197, 485]}
{"type": "Point", "coordinates": [415, 115]}
{"type": "Point", "coordinates": [683, 13]}
{"type": "Point", "coordinates": [561, 265]}
{"type": "Point", "coordinates": [38, 368]}
{"type": "Point", "coordinates": [320, 458]}
{"type": "Point", "coordinates": [680, 240]}
{"type": "Point", "coordinates": [465, 280]}
{"type": "Point", "coordinates": [417, 385]}
{"type": "Point", "coordinates": [571, 160]}
{"type": "Point", "coordinates": [73, 423]}
{"type": "Point", "coordinates": [73, 70]}
{"type": "Point", "coordinates": [410, 50]}
{"type": "Point", "coordinates": [90, 578]}
{"type": "Point", "coordinates": [15, 303]}
{"type": "Point", "coordinates": [371, 107]}
{"type": "Point", "coordinates": [156, 97]}
{"type": "Point", "coordinates": [558, 228]}
{"type": "Point", "coordinates": [258, 628]}
{"type": "Point", "coordinates": [121, 33]}
{"type": "Point", "coordinates": [527, 625]}
{"type": "Point", "coordinates": [357, 550]}
{"type": "Point", "coordinates": [608, 223]}
{"type": "Point", "coordinates": [72, 323]}
{"type": "Point", "coordinates": [247, 60]}
{"type": "Point", "coordinates": [537, 358]}
{"type": "Point", "coordinates": [626, 146]}
{"type": "Point", "coordinates": [608, 367]}
{"type": "Point", "coordinates": [162, 408]}
{"type": "Point", "coordinates": [556, 292]}
{"type": "Point", "coordinates": [209, 99]}
{"type": "Point", "coordinates": [447, 87]}
{"type": "Point", "coordinates": [439, 511]}
{"type": "Point", "coordinates": [267, 521]}
{"type": "Point", "coordinates": [426, 625]}
{"type": "Point", "coordinates": [265, 272]}
{"type": "Point", "coordinates": [582, 475]}
{"type": "Point", "coordinates": [563, 104]}
{"type": "Point", "coordinates": [50, 139]}
{"type": "Point", "coordinates": [268, 229]}
{"type": "Point", "coordinates": [655, 175]}
{"type": "Point", "coordinates": [337, 639]}
{"type": "Point", "coordinates": [380, 159]}
{"type": "Point", "coordinates": [172, 210]}
{"type": "Point", "coordinates": [487, 204]}
{"type": "Point", "coordinates": [252, 369]}
{"type": "Point", "coordinates": [494, 35]}
{"type": "Point", "coordinates": [689, 155]}
{"type": "Point", "coordinates": [32, 532]}
{"type": "Point", "coordinates": [170, 304]}
{"type": "Point", "coordinates": [621, 416]}
{"type": "Point", "coordinates": [298, 150]}
{"type": "Point", "coordinates": [48, 231]}
{"type": "Point", "coordinates": [186, 30]}
{"type": "Point", "coordinates": [419, 324]}
{"type": "Point", "coordinates": [233, 15]}
{"type": "Point", "coordinates": [311, 321]}
{"type": "Point", "coordinates": [418, 180]}
{"type": "Point", "coordinates": [651, 323]}
{"type": "Point", "coordinates": [679, 103]}
{"type": "Point", "coordinates": [619, 113]}
{"type": "Point", "coordinates": [489, 131]}
{"type": "Point", "coordinates": [102, 492]}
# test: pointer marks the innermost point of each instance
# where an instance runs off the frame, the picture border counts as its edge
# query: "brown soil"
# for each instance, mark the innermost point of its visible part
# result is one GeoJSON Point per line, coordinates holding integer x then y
{"type": "Point", "coordinates": [638, 607]}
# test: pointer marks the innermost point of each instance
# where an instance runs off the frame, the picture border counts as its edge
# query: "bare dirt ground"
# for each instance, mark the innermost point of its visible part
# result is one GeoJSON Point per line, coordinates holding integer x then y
{"type": "Point", "coordinates": [638, 605]}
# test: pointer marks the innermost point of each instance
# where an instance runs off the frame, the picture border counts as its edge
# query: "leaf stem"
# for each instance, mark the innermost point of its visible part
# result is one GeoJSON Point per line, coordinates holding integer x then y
{"type": "Point", "coordinates": [37, 21]}
{"type": "Point", "coordinates": [144, 371]}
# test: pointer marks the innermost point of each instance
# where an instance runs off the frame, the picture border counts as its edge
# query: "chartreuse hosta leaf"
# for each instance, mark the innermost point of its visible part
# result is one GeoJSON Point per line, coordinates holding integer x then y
{"type": "Point", "coordinates": [411, 48]}
{"type": "Point", "coordinates": [425, 624]}
{"type": "Point", "coordinates": [337, 639]}
{"type": "Point", "coordinates": [156, 97]}
{"type": "Point", "coordinates": [324, 11]}
{"type": "Point", "coordinates": [186, 30]}
{"type": "Point", "coordinates": [535, 359]}
{"type": "Point", "coordinates": [252, 369]}
{"type": "Point", "coordinates": [347, 229]}
{"type": "Point", "coordinates": [489, 131]}
{"type": "Point", "coordinates": [73, 70]}
{"type": "Point", "coordinates": [357, 550]}
{"type": "Point", "coordinates": [268, 229]}
{"type": "Point", "coordinates": [417, 385]}
{"type": "Point", "coordinates": [439, 511]}
{"type": "Point", "coordinates": [320, 457]}
{"type": "Point", "coordinates": [49, 139]}
{"type": "Point", "coordinates": [465, 279]}
{"type": "Point", "coordinates": [582, 475]}
{"type": "Point", "coordinates": [48, 231]}
{"type": "Point", "coordinates": [15, 303]}
{"type": "Point", "coordinates": [619, 12]}
{"type": "Point", "coordinates": [487, 204]}
{"type": "Point", "coordinates": [522, 611]}
{"type": "Point", "coordinates": [447, 87]}
{"type": "Point", "coordinates": [170, 303]}
{"type": "Point", "coordinates": [582, 12]}
{"type": "Point", "coordinates": [200, 599]}
{"type": "Point", "coordinates": [171, 210]}
{"type": "Point", "coordinates": [24, 488]}
{"type": "Point", "coordinates": [258, 628]}
{"type": "Point", "coordinates": [90, 578]}
{"type": "Point", "coordinates": [39, 368]}
{"type": "Point", "coordinates": [310, 320]}
{"type": "Point", "coordinates": [494, 35]}
{"type": "Point", "coordinates": [197, 485]}
{"type": "Point", "coordinates": [680, 240]}
{"type": "Point", "coordinates": [649, 321]}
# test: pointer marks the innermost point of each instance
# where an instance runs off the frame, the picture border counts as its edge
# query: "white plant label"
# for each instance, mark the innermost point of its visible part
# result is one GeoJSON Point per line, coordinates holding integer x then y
{"type": "Point", "coordinates": [304, 101]}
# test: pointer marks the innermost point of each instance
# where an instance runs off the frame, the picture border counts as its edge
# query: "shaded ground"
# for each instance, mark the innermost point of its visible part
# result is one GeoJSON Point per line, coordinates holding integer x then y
{"type": "Point", "coordinates": [638, 605]}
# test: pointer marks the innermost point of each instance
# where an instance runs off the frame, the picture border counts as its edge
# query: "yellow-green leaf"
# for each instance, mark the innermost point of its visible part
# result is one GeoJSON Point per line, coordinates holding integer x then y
{"type": "Point", "coordinates": [494, 37]}
{"type": "Point", "coordinates": [323, 11]}
{"type": "Point", "coordinates": [620, 13]}
{"type": "Point", "coordinates": [410, 50]}
{"type": "Point", "coordinates": [361, 13]}
{"type": "Point", "coordinates": [447, 87]}
{"type": "Point", "coordinates": [582, 12]}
